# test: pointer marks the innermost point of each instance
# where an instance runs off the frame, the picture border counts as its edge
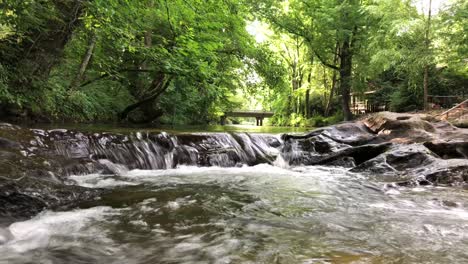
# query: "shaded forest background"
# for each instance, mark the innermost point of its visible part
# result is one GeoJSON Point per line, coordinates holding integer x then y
{"type": "Point", "coordinates": [188, 61]}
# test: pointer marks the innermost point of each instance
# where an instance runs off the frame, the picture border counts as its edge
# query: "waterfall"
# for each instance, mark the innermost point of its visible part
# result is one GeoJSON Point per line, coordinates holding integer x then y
{"type": "Point", "coordinates": [152, 151]}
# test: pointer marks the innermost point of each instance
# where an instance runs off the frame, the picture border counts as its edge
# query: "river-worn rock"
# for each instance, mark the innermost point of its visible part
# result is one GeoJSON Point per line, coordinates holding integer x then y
{"type": "Point", "coordinates": [423, 148]}
{"type": "Point", "coordinates": [8, 144]}
{"type": "Point", "coordinates": [27, 196]}
{"type": "Point", "coordinates": [412, 128]}
{"type": "Point", "coordinates": [398, 158]}
{"type": "Point", "coordinates": [349, 133]}
{"type": "Point", "coordinates": [358, 154]}
{"type": "Point", "coordinates": [447, 172]}
{"type": "Point", "coordinates": [449, 150]}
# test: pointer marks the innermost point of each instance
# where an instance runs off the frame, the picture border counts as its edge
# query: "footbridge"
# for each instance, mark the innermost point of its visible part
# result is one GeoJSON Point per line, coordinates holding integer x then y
{"type": "Point", "coordinates": [259, 115]}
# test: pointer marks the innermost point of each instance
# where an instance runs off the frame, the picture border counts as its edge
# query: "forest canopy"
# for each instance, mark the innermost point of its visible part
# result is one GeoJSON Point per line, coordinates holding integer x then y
{"type": "Point", "coordinates": [189, 61]}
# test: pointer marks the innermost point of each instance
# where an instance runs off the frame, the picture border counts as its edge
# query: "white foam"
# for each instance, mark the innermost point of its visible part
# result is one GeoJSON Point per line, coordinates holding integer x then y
{"type": "Point", "coordinates": [101, 181]}
{"type": "Point", "coordinates": [37, 232]}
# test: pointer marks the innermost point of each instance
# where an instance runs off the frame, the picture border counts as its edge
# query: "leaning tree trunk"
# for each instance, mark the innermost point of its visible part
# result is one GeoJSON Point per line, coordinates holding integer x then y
{"type": "Point", "coordinates": [334, 81]}
{"type": "Point", "coordinates": [84, 62]}
{"type": "Point", "coordinates": [157, 88]}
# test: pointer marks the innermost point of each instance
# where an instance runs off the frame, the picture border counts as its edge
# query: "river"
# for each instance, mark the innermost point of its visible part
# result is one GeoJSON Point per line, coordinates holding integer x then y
{"type": "Point", "coordinates": [267, 213]}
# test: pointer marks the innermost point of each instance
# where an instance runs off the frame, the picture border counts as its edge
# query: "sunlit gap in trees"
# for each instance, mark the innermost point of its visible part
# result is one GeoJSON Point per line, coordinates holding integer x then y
{"type": "Point", "coordinates": [436, 5]}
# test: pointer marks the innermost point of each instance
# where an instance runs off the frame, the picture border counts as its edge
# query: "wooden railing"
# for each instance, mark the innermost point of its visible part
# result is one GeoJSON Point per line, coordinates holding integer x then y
{"type": "Point", "coordinates": [455, 112]}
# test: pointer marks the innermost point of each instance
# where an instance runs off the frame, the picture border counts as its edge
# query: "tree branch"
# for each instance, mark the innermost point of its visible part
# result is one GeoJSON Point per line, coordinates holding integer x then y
{"type": "Point", "coordinates": [105, 75]}
{"type": "Point", "coordinates": [331, 66]}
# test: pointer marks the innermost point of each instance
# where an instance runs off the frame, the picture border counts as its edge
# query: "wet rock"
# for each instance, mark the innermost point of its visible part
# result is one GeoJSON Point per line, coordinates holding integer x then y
{"type": "Point", "coordinates": [359, 154]}
{"type": "Point", "coordinates": [27, 196]}
{"type": "Point", "coordinates": [449, 150]}
{"type": "Point", "coordinates": [9, 144]}
{"type": "Point", "coordinates": [7, 155]}
{"type": "Point", "coordinates": [353, 134]}
{"type": "Point", "coordinates": [397, 159]}
{"type": "Point", "coordinates": [345, 162]}
{"type": "Point", "coordinates": [402, 128]}
{"type": "Point", "coordinates": [309, 149]}
{"type": "Point", "coordinates": [449, 203]}
{"type": "Point", "coordinates": [8, 126]}
{"type": "Point", "coordinates": [447, 172]}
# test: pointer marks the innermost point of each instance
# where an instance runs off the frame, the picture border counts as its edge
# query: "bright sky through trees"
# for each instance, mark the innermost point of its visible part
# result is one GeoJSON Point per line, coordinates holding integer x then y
{"type": "Point", "coordinates": [257, 29]}
{"type": "Point", "coordinates": [423, 5]}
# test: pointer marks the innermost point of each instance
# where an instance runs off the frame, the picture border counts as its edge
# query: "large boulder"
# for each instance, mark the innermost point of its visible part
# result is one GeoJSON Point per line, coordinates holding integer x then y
{"type": "Point", "coordinates": [449, 150]}
{"type": "Point", "coordinates": [398, 158]}
{"type": "Point", "coordinates": [389, 146]}
{"type": "Point", "coordinates": [350, 133]}
{"type": "Point", "coordinates": [413, 128]}
{"type": "Point", "coordinates": [447, 172]}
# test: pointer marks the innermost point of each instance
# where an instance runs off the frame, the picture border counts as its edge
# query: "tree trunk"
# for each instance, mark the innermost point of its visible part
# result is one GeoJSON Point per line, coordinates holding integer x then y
{"type": "Point", "coordinates": [42, 50]}
{"type": "Point", "coordinates": [307, 96]}
{"type": "Point", "coordinates": [333, 84]}
{"type": "Point", "coordinates": [84, 62]}
{"type": "Point", "coordinates": [346, 78]}
{"type": "Point", "coordinates": [158, 87]}
{"type": "Point", "coordinates": [426, 88]}
{"type": "Point", "coordinates": [426, 67]}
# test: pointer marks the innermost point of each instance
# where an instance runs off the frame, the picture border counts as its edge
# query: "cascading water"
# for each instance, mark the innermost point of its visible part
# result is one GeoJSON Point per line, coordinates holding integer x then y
{"type": "Point", "coordinates": [148, 151]}
{"type": "Point", "coordinates": [232, 198]}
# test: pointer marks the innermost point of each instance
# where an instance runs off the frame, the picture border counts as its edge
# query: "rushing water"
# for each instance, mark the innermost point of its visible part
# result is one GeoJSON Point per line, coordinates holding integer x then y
{"type": "Point", "coordinates": [260, 214]}
{"type": "Point", "coordinates": [257, 214]}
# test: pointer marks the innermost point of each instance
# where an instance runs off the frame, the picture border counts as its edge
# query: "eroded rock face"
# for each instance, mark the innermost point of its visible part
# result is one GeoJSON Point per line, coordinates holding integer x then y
{"type": "Point", "coordinates": [413, 128]}
{"type": "Point", "coordinates": [394, 147]}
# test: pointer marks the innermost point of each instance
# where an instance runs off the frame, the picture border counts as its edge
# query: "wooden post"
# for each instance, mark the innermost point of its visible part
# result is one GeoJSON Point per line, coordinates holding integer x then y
{"type": "Point", "coordinates": [223, 120]}
{"type": "Point", "coordinates": [259, 121]}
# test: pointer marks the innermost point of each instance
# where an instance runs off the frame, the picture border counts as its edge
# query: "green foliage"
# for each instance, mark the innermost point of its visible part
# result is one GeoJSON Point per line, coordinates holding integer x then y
{"type": "Point", "coordinates": [321, 121]}
{"type": "Point", "coordinates": [192, 60]}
